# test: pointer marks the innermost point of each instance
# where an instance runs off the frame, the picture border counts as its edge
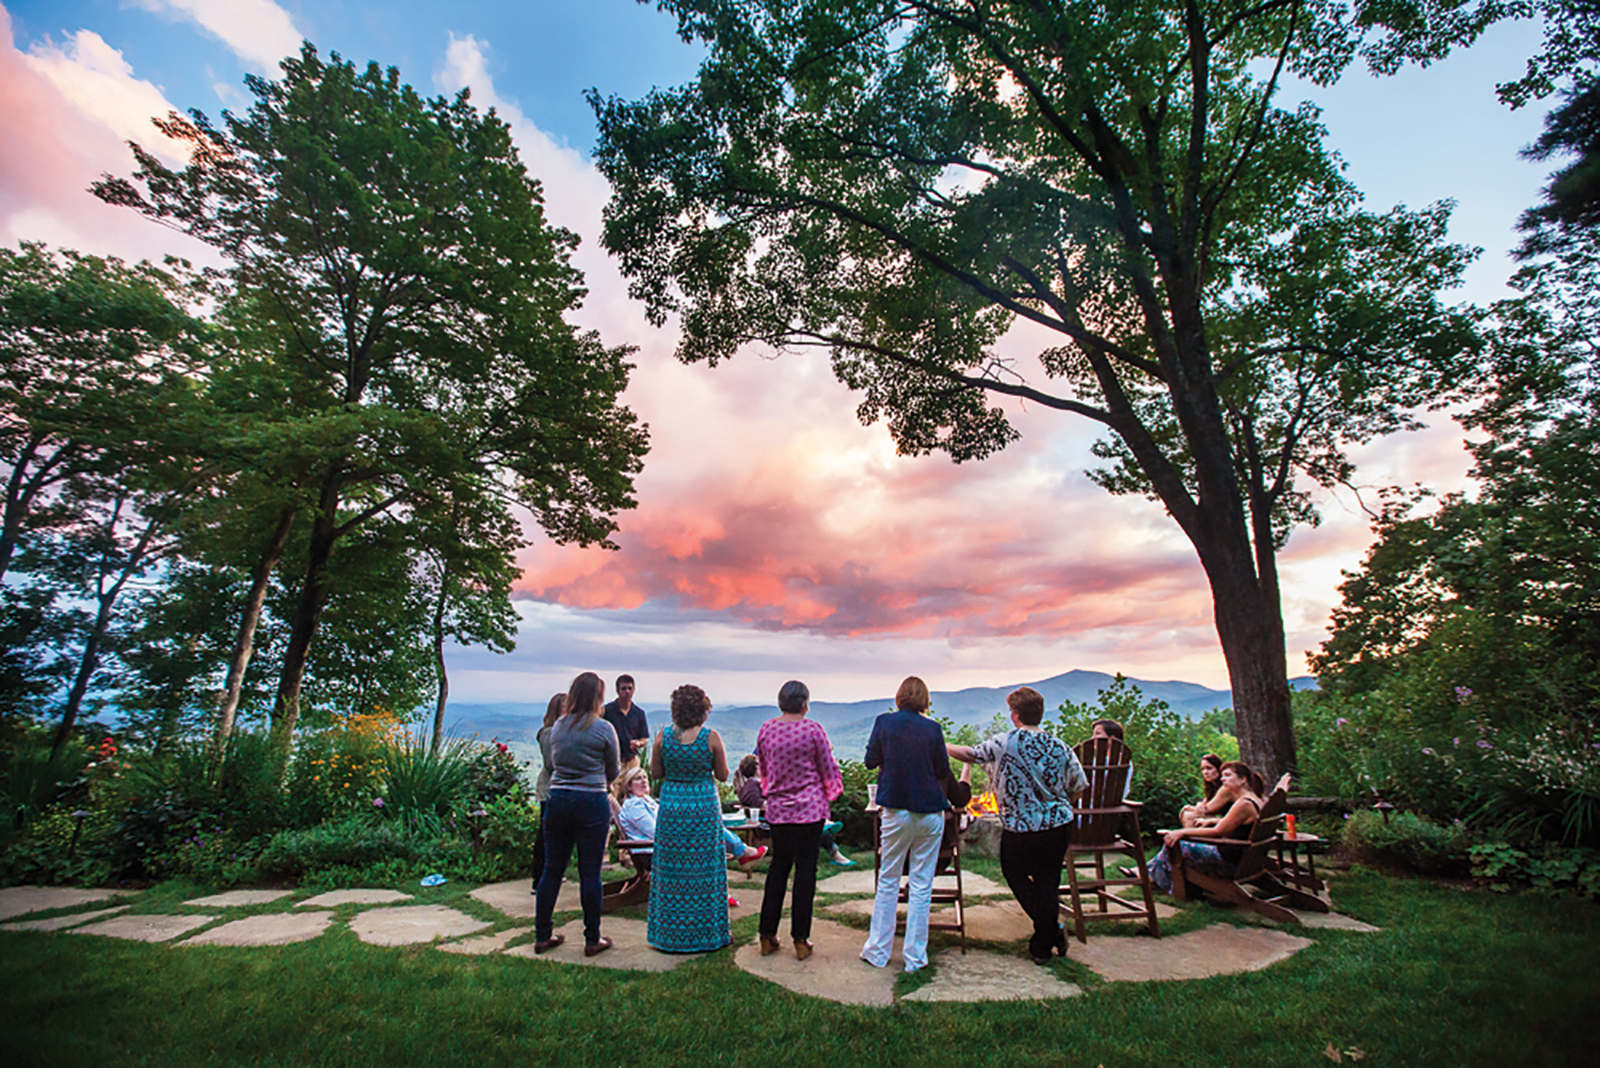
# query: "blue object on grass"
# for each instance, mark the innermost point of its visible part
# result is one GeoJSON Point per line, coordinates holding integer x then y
{"type": "Point", "coordinates": [434, 880]}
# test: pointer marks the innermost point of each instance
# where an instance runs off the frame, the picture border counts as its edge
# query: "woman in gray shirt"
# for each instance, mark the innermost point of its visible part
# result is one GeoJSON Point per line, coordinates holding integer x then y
{"type": "Point", "coordinates": [584, 758]}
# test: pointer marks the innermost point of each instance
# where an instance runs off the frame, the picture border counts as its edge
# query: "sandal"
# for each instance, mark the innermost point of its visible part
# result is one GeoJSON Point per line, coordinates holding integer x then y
{"type": "Point", "coordinates": [597, 948]}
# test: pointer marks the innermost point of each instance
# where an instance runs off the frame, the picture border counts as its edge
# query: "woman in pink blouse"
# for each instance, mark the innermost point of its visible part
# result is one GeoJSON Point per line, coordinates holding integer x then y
{"type": "Point", "coordinates": [798, 777]}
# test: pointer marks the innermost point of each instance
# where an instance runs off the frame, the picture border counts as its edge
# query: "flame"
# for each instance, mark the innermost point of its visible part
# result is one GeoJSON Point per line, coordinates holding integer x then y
{"type": "Point", "coordinates": [984, 805]}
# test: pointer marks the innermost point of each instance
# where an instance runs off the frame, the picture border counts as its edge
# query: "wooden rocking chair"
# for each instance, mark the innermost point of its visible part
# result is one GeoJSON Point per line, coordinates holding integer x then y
{"type": "Point", "coordinates": [1255, 884]}
{"type": "Point", "coordinates": [1107, 823]}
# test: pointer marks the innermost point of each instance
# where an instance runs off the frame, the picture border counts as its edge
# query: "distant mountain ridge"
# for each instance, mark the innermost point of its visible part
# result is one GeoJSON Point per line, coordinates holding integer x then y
{"type": "Point", "coordinates": [849, 722]}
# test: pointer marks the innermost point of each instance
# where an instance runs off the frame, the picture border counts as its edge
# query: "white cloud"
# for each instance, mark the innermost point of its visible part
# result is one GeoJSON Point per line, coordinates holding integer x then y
{"type": "Point", "coordinates": [258, 31]}
{"type": "Point", "coordinates": [100, 83]}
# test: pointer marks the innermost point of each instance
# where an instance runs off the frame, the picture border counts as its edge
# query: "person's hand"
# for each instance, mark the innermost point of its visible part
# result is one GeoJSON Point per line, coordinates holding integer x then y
{"type": "Point", "coordinates": [639, 743]}
{"type": "Point", "coordinates": [1171, 838]}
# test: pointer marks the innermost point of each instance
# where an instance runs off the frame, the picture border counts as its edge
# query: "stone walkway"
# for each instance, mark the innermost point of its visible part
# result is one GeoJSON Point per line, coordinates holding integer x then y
{"type": "Point", "coordinates": [835, 972]}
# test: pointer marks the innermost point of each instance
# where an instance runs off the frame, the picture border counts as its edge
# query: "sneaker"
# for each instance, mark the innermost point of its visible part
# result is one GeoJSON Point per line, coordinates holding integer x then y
{"type": "Point", "coordinates": [832, 827]}
{"type": "Point", "coordinates": [841, 860]}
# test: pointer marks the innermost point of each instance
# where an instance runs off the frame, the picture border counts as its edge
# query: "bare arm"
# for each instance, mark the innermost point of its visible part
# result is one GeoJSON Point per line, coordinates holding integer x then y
{"type": "Point", "coordinates": [719, 757]}
{"type": "Point", "coordinates": [962, 753]}
{"type": "Point", "coordinates": [1240, 815]}
{"type": "Point", "coordinates": [657, 771]}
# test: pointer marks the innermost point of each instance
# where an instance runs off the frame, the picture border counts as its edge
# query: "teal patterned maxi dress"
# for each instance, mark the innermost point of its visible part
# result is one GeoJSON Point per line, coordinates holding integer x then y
{"type": "Point", "coordinates": [689, 876]}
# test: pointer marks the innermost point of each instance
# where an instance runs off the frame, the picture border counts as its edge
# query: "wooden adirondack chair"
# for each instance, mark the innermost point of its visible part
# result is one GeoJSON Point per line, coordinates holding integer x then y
{"type": "Point", "coordinates": [633, 889]}
{"type": "Point", "coordinates": [947, 887]}
{"type": "Point", "coordinates": [1107, 823]}
{"type": "Point", "coordinates": [1255, 884]}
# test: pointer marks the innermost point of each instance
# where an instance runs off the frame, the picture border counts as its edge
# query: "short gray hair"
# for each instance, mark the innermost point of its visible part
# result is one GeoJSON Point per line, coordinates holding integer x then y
{"type": "Point", "coordinates": [793, 697]}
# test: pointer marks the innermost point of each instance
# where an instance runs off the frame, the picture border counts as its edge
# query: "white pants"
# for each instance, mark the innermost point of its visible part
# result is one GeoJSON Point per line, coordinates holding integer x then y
{"type": "Point", "coordinates": [903, 834]}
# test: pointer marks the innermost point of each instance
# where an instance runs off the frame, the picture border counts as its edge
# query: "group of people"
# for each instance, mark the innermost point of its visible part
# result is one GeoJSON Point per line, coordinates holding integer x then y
{"type": "Point", "coordinates": [590, 747]}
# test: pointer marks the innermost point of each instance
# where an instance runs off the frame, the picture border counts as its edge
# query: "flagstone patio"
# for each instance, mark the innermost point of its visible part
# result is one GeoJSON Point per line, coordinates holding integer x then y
{"type": "Point", "coordinates": [834, 972]}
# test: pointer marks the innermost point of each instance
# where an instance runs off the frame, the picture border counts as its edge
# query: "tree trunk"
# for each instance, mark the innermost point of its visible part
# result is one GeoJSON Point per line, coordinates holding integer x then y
{"type": "Point", "coordinates": [438, 657]}
{"type": "Point", "coordinates": [244, 647]}
{"type": "Point", "coordinates": [107, 599]}
{"type": "Point", "coordinates": [308, 610]}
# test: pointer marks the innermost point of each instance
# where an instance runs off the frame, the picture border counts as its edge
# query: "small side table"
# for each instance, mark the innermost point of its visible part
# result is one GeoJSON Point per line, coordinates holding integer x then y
{"type": "Point", "coordinates": [1303, 877]}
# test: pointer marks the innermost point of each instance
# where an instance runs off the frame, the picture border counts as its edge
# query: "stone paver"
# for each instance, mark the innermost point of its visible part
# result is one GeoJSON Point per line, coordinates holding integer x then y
{"type": "Point", "coordinates": [489, 943]}
{"type": "Point", "coordinates": [515, 898]}
{"type": "Point", "coordinates": [335, 898]}
{"type": "Point", "coordinates": [979, 975]}
{"type": "Point", "coordinates": [629, 950]}
{"type": "Point", "coordinates": [239, 898]}
{"type": "Point", "coordinates": [59, 923]}
{"type": "Point", "coordinates": [21, 900]}
{"type": "Point", "coordinates": [835, 971]}
{"type": "Point", "coordinates": [277, 929]}
{"type": "Point", "coordinates": [859, 881]}
{"type": "Point", "coordinates": [1335, 921]}
{"type": "Point", "coordinates": [1220, 949]}
{"type": "Point", "coordinates": [145, 928]}
{"type": "Point", "coordinates": [406, 925]}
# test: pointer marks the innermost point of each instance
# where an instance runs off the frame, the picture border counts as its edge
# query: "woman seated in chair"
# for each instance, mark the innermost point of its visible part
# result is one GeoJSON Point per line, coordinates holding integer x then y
{"type": "Point", "coordinates": [1195, 853]}
{"type": "Point", "coordinates": [637, 818]}
{"type": "Point", "coordinates": [1217, 800]}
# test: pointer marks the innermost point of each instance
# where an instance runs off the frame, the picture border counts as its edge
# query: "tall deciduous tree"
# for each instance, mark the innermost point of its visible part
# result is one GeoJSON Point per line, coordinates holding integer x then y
{"type": "Point", "coordinates": [398, 250]}
{"type": "Point", "coordinates": [897, 183]}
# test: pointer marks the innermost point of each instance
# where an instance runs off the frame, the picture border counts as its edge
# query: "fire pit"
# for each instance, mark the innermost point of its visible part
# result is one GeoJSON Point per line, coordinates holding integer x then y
{"type": "Point", "coordinates": [982, 834]}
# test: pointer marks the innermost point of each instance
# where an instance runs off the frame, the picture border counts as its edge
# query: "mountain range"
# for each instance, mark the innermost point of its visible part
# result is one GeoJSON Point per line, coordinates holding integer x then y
{"type": "Point", "coordinates": [850, 722]}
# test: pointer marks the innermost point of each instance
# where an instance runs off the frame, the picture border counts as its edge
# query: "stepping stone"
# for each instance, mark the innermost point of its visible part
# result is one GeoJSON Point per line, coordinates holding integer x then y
{"type": "Point", "coordinates": [407, 925]}
{"type": "Point", "coordinates": [516, 900]}
{"type": "Point", "coordinates": [21, 900]}
{"type": "Point", "coordinates": [978, 975]}
{"type": "Point", "coordinates": [57, 923]}
{"type": "Point", "coordinates": [147, 928]}
{"type": "Point", "coordinates": [239, 898]}
{"type": "Point", "coordinates": [335, 898]}
{"type": "Point", "coordinates": [1334, 921]}
{"type": "Point", "coordinates": [835, 971]}
{"type": "Point", "coordinates": [998, 921]}
{"type": "Point", "coordinates": [1220, 949]}
{"type": "Point", "coordinates": [489, 943]}
{"type": "Point", "coordinates": [629, 950]}
{"type": "Point", "coordinates": [278, 929]}
{"type": "Point", "coordinates": [859, 881]}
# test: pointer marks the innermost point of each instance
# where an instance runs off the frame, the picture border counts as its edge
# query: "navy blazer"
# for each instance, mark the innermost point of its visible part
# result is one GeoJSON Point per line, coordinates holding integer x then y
{"type": "Point", "coordinates": [909, 750]}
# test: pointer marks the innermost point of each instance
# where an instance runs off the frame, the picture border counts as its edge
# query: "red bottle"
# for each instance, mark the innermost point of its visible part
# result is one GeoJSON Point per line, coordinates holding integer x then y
{"type": "Point", "coordinates": [1288, 824]}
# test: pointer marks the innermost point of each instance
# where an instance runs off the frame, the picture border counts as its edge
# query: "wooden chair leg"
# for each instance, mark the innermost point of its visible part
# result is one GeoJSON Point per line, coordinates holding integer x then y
{"type": "Point", "coordinates": [1154, 927]}
{"type": "Point", "coordinates": [1077, 900]}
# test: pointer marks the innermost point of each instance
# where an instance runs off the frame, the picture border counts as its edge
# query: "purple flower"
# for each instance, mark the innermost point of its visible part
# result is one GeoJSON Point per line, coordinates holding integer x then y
{"type": "Point", "coordinates": [1340, 722]}
{"type": "Point", "coordinates": [377, 802]}
{"type": "Point", "coordinates": [1463, 692]}
{"type": "Point", "coordinates": [1428, 751]}
{"type": "Point", "coordinates": [1455, 741]}
{"type": "Point", "coordinates": [1483, 744]}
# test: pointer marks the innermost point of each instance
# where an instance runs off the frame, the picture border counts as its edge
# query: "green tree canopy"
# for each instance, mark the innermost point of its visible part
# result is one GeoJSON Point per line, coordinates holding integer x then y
{"type": "Point", "coordinates": [394, 252]}
{"type": "Point", "coordinates": [897, 183]}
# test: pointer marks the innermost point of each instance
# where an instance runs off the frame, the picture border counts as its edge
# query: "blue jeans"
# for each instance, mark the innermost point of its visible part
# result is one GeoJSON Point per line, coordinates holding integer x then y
{"type": "Point", "coordinates": [576, 818]}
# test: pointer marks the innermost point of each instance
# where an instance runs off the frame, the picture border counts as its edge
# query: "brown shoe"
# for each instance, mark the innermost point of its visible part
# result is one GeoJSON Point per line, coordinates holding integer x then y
{"type": "Point", "coordinates": [598, 948]}
{"type": "Point", "coordinates": [548, 944]}
{"type": "Point", "coordinates": [769, 946]}
{"type": "Point", "coordinates": [802, 948]}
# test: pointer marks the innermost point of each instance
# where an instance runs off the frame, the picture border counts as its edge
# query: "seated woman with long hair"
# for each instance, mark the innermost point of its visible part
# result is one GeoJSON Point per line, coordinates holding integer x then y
{"type": "Point", "coordinates": [1217, 800]}
{"type": "Point", "coordinates": [1202, 856]}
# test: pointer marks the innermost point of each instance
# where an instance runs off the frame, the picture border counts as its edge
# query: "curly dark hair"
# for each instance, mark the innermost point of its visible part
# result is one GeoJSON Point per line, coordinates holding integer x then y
{"type": "Point", "coordinates": [689, 707]}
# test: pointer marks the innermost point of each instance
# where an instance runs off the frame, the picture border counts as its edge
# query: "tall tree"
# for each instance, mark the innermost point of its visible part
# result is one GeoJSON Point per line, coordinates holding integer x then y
{"type": "Point", "coordinates": [897, 183]}
{"type": "Point", "coordinates": [398, 249]}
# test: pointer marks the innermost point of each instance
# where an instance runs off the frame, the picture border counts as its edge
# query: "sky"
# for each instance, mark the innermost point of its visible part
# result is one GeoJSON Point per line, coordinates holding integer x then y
{"type": "Point", "coordinates": [775, 536]}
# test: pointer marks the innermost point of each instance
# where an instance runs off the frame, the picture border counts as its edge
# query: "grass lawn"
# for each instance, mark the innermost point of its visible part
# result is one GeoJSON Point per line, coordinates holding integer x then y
{"type": "Point", "coordinates": [1454, 978]}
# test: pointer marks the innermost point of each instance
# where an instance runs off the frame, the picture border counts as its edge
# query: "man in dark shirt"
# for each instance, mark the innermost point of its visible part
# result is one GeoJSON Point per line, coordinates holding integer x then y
{"type": "Point", "coordinates": [628, 720]}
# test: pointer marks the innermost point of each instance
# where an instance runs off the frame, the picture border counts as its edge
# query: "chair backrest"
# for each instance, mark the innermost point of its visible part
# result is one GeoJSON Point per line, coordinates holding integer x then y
{"type": "Point", "coordinates": [1262, 834]}
{"type": "Point", "coordinates": [1101, 813]}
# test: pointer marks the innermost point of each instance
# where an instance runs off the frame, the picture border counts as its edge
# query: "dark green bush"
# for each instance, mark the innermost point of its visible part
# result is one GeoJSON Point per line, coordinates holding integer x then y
{"type": "Point", "coordinates": [850, 807]}
{"type": "Point", "coordinates": [1553, 869]}
{"type": "Point", "coordinates": [493, 771]}
{"type": "Point", "coordinates": [353, 842]}
{"type": "Point", "coordinates": [1410, 841]}
{"type": "Point", "coordinates": [62, 846]}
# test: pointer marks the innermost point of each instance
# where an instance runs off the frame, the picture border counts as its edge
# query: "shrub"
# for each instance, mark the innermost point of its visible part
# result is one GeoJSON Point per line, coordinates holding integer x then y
{"type": "Point", "coordinates": [352, 842]}
{"type": "Point", "coordinates": [1409, 841]}
{"type": "Point", "coordinates": [422, 786]}
{"type": "Point", "coordinates": [61, 846]}
{"type": "Point", "coordinates": [1555, 869]}
{"type": "Point", "coordinates": [35, 779]}
{"type": "Point", "coordinates": [494, 772]}
{"type": "Point", "coordinates": [338, 771]}
{"type": "Point", "coordinates": [850, 807]}
{"type": "Point", "coordinates": [1166, 748]}
{"type": "Point", "coordinates": [507, 829]}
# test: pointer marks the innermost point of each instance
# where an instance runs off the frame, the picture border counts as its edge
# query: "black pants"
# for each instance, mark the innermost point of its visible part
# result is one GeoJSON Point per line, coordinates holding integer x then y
{"type": "Point", "coordinates": [794, 845]}
{"type": "Point", "coordinates": [1031, 863]}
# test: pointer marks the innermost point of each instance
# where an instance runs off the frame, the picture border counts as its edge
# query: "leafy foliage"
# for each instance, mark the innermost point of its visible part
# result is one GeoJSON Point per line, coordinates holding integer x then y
{"type": "Point", "coordinates": [1410, 841]}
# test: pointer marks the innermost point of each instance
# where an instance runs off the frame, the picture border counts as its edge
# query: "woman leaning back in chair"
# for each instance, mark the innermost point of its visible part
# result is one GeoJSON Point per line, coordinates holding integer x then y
{"type": "Point", "coordinates": [1200, 855]}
